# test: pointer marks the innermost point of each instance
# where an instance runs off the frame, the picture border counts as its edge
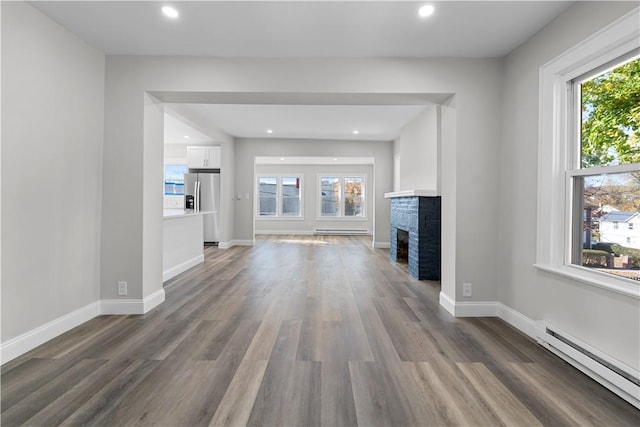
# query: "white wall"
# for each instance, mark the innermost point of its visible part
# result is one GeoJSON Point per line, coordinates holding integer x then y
{"type": "Point", "coordinates": [420, 144]}
{"type": "Point", "coordinates": [311, 199]}
{"type": "Point", "coordinates": [52, 117]}
{"type": "Point", "coordinates": [175, 151]}
{"type": "Point", "coordinates": [607, 321]}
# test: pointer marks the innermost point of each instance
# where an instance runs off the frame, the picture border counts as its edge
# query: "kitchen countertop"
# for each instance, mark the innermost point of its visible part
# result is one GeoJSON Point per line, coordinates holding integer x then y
{"type": "Point", "coordinates": [180, 213]}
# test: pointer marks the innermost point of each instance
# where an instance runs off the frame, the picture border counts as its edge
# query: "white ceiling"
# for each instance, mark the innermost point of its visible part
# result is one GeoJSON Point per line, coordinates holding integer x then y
{"type": "Point", "coordinates": [372, 122]}
{"type": "Point", "coordinates": [178, 132]}
{"type": "Point", "coordinates": [303, 29]}
{"type": "Point", "coordinates": [316, 160]}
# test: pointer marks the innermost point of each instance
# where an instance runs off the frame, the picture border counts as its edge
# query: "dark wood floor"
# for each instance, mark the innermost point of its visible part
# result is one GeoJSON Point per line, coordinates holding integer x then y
{"type": "Point", "coordinates": [300, 331]}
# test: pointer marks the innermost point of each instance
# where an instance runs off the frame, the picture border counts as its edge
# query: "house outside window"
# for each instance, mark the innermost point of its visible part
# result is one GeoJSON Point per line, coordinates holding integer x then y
{"type": "Point", "coordinates": [342, 196]}
{"type": "Point", "coordinates": [584, 171]}
{"type": "Point", "coordinates": [330, 196]}
{"type": "Point", "coordinates": [279, 196]}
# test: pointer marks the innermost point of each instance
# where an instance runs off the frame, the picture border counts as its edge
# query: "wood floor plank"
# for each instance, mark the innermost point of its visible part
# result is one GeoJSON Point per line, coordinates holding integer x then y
{"type": "Point", "coordinates": [439, 405]}
{"type": "Point", "coordinates": [557, 403]}
{"type": "Point", "coordinates": [290, 390]}
{"type": "Point", "coordinates": [111, 397]}
{"type": "Point", "coordinates": [310, 343]}
{"type": "Point", "coordinates": [375, 403]}
{"type": "Point", "coordinates": [337, 404]}
{"type": "Point", "coordinates": [59, 410]}
{"type": "Point", "coordinates": [206, 341]}
{"type": "Point", "coordinates": [476, 410]}
{"type": "Point", "coordinates": [510, 410]}
{"type": "Point", "coordinates": [43, 396]}
{"type": "Point", "coordinates": [235, 407]}
{"type": "Point", "coordinates": [27, 378]}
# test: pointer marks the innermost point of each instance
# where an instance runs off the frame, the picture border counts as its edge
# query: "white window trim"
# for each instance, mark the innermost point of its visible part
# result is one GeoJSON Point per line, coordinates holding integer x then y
{"type": "Point", "coordinates": [278, 216]}
{"type": "Point", "coordinates": [555, 157]}
{"type": "Point", "coordinates": [341, 217]}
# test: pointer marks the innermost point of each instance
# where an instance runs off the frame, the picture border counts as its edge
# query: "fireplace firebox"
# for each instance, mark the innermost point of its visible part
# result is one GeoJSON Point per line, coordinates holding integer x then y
{"type": "Point", "coordinates": [402, 247]}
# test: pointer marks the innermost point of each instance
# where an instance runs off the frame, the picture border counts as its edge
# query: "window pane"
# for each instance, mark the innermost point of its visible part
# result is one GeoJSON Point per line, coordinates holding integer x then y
{"type": "Point", "coordinates": [610, 216]}
{"type": "Point", "coordinates": [174, 179]}
{"type": "Point", "coordinates": [354, 196]}
{"type": "Point", "coordinates": [267, 195]}
{"type": "Point", "coordinates": [610, 117]}
{"type": "Point", "coordinates": [330, 196]}
{"type": "Point", "coordinates": [291, 196]}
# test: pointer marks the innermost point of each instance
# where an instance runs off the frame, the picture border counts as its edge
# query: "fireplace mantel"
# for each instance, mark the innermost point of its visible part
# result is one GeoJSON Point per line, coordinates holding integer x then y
{"type": "Point", "coordinates": [411, 193]}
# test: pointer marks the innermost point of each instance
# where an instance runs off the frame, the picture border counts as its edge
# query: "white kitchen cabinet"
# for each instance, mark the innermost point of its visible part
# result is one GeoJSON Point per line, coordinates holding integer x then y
{"type": "Point", "coordinates": [203, 157]}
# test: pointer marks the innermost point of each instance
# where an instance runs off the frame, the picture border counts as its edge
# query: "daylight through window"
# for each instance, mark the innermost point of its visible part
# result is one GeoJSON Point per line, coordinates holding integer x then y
{"type": "Point", "coordinates": [342, 196]}
{"type": "Point", "coordinates": [279, 196]}
{"type": "Point", "coordinates": [606, 179]}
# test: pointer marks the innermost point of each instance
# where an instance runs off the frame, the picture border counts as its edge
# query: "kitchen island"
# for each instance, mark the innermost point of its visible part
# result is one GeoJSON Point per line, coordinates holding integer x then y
{"type": "Point", "coordinates": [182, 241]}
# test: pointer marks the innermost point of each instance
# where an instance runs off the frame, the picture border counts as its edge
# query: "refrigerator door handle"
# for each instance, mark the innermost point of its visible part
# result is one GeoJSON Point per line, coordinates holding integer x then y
{"type": "Point", "coordinates": [196, 196]}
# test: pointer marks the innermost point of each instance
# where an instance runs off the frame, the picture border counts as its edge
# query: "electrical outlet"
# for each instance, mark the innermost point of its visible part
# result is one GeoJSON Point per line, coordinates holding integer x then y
{"type": "Point", "coordinates": [122, 288]}
{"type": "Point", "coordinates": [466, 290]}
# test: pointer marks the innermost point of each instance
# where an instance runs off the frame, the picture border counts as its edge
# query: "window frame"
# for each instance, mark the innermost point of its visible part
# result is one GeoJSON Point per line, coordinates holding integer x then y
{"type": "Point", "coordinates": [558, 134]}
{"type": "Point", "coordinates": [278, 216]}
{"type": "Point", "coordinates": [341, 216]}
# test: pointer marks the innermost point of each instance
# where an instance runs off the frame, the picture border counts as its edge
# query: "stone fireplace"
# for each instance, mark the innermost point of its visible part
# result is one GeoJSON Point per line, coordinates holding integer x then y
{"type": "Point", "coordinates": [415, 232]}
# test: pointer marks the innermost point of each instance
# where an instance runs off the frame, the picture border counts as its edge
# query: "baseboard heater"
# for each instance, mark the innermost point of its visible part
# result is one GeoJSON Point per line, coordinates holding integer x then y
{"type": "Point", "coordinates": [614, 375]}
{"type": "Point", "coordinates": [340, 231]}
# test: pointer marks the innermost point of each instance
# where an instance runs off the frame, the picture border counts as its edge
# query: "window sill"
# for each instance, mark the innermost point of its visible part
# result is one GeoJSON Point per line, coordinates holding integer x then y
{"type": "Point", "coordinates": [626, 287]}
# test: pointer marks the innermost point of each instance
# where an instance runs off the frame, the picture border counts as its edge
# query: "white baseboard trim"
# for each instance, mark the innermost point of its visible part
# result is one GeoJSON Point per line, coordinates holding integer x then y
{"type": "Point", "coordinates": [491, 309]}
{"type": "Point", "coordinates": [381, 245]}
{"type": "Point", "coordinates": [281, 232]}
{"type": "Point", "coordinates": [476, 309]}
{"type": "Point", "coordinates": [469, 309]}
{"type": "Point", "coordinates": [132, 306]}
{"type": "Point", "coordinates": [447, 303]}
{"type": "Point", "coordinates": [182, 267]}
{"type": "Point", "coordinates": [519, 321]}
{"type": "Point", "coordinates": [21, 344]}
{"type": "Point", "coordinates": [153, 300]}
{"type": "Point", "coordinates": [232, 243]}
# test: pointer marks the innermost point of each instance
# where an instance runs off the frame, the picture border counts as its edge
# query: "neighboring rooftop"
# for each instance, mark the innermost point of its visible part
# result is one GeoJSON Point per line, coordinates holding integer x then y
{"type": "Point", "coordinates": [618, 216]}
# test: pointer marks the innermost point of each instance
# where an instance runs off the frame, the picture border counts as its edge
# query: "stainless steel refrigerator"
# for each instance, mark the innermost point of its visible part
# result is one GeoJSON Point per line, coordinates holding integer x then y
{"type": "Point", "coordinates": [205, 189]}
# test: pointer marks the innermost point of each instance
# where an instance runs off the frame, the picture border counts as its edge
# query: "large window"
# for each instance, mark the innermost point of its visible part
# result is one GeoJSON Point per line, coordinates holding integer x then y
{"type": "Point", "coordinates": [342, 196]}
{"type": "Point", "coordinates": [279, 196]}
{"type": "Point", "coordinates": [606, 173]}
{"type": "Point", "coordinates": [589, 160]}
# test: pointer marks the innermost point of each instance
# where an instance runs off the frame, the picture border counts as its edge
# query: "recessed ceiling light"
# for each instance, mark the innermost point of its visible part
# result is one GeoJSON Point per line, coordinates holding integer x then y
{"type": "Point", "coordinates": [281, 158]}
{"type": "Point", "coordinates": [169, 12]}
{"type": "Point", "coordinates": [269, 130]}
{"type": "Point", "coordinates": [186, 137]}
{"type": "Point", "coordinates": [426, 10]}
{"type": "Point", "coordinates": [355, 132]}
{"type": "Point", "coordinates": [335, 158]}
